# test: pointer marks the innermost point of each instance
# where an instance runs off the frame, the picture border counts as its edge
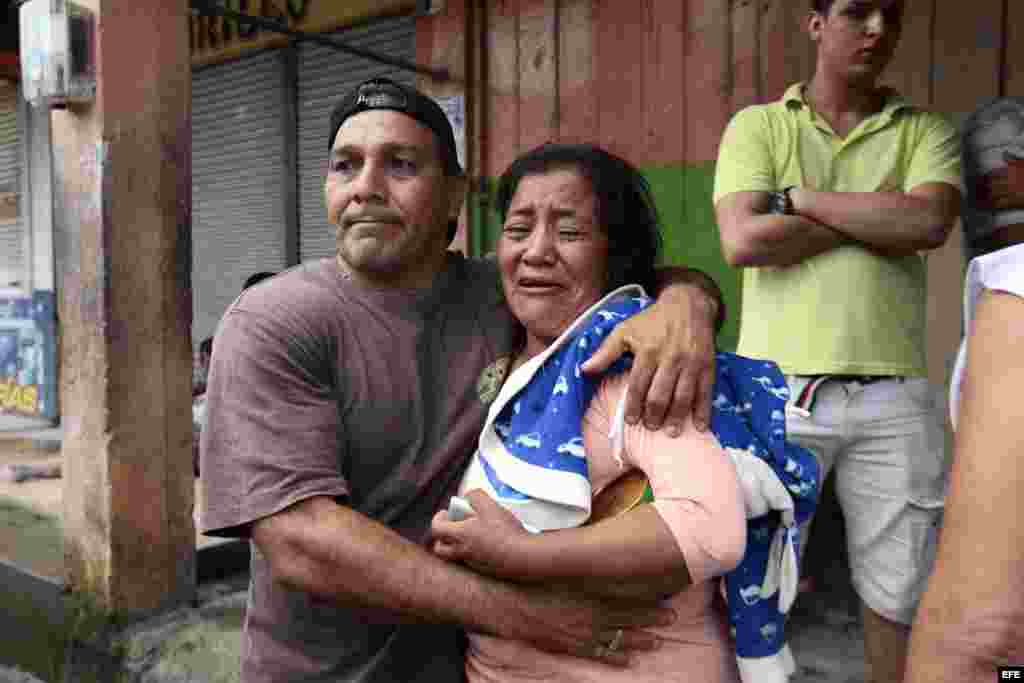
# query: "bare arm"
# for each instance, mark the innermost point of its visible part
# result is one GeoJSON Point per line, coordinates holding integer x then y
{"type": "Point", "coordinates": [309, 549]}
{"type": "Point", "coordinates": [336, 554]}
{"type": "Point", "coordinates": [894, 222]}
{"type": "Point", "coordinates": [971, 618]}
{"type": "Point", "coordinates": [682, 279]}
{"type": "Point", "coordinates": [752, 237]}
{"type": "Point", "coordinates": [632, 555]}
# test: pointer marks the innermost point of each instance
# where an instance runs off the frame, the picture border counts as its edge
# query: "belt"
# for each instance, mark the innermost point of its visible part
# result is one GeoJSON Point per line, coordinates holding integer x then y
{"type": "Point", "coordinates": [862, 379]}
{"type": "Point", "coordinates": [804, 403]}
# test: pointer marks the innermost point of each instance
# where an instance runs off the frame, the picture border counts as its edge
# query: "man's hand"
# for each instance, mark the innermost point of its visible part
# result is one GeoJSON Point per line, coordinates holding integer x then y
{"type": "Point", "coordinates": [563, 621]}
{"type": "Point", "coordinates": [673, 347]}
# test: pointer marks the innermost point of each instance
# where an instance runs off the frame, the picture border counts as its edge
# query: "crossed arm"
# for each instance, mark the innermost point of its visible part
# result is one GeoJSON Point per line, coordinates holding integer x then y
{"type": "Point", "coordinates": [971, 618]}
{"type": "Point", "coordinates": [890, 223]}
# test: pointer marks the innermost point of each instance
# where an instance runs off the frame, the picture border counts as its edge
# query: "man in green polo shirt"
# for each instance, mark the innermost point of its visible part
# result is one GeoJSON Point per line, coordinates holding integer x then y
{"type": "Point", "coordinates": [828, 199]}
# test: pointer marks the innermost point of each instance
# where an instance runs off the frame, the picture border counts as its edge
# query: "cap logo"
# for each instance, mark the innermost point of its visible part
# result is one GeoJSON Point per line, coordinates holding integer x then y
{"type": "Point", "coordinates": [380, 99]}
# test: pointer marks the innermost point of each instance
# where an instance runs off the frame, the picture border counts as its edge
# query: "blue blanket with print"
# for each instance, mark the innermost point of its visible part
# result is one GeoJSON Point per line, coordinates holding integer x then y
{"type": "Point", "coordinates": [532, 454]}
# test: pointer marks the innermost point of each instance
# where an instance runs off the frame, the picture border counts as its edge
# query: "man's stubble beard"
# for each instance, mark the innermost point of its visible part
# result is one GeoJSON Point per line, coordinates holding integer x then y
{"type": "Point", "coordinates": [390, 261]}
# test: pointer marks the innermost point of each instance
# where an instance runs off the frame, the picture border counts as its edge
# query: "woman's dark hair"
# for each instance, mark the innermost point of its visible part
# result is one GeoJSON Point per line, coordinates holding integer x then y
{"type": "Point", "coordinates": [625, 207]}
{"type": "Point", "coordinates": [822, 6]}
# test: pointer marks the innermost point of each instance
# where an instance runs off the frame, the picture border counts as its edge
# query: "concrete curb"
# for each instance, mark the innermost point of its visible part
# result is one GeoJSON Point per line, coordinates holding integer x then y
{"type": "Point", "coordinates": [8, 675]}
{"type": "Point", "coordinates": [195, 643]}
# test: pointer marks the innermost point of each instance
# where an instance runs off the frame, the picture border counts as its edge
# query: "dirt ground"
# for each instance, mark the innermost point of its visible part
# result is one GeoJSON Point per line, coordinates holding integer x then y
{"type": "Point", "coordinates": [30, 513]}
{"type": "Point", "coordinates": [44, 494]}
{"type": "Point", "coordinates": [30, 535]}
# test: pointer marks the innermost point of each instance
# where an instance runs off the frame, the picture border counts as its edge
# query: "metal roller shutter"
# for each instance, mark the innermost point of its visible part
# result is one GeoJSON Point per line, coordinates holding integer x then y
{"type": "Point", "coordinates": [324, 75]}
{"type": "Point", "coordinates": [238, 181]}
{"type": "Point", "coordinates": [12, 240]}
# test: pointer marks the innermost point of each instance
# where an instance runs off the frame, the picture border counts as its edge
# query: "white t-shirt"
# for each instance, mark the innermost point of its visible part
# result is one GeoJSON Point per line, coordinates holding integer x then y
{"type": "Point", "coordinates": [1001, 270]}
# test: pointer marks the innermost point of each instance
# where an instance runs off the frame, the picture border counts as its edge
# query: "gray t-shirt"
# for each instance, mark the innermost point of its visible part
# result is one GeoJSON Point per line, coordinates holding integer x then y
{"type": "Point", "coordinates": [319, 387]}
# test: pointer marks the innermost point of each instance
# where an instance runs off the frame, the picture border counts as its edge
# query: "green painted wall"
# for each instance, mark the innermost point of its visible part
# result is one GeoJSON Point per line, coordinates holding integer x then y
{"type": "Point", "coordinates": [683, 196]}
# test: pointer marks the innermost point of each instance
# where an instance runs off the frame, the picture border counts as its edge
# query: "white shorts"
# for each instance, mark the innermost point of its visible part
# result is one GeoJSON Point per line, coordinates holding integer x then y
{"type": "Point", "coordinates": [888, 447]}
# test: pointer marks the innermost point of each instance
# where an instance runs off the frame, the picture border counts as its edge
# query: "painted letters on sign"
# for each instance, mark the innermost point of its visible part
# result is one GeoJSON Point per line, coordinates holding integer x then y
{"type": "Point", "coordinates": [28, 365]}
{"type": "Point", "coordinates": [19, 398]}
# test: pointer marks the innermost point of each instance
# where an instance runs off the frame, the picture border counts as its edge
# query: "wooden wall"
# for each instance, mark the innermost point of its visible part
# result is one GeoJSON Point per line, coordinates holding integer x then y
{"type": "Point", "coordinates": [657, 80]}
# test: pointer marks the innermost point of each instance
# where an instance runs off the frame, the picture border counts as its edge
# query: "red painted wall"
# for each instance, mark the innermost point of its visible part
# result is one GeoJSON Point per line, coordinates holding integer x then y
{"type": "Point", "coordinates": [657, 80]}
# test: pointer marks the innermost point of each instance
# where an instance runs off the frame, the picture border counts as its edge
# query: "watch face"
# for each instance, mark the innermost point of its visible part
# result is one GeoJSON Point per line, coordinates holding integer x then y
{"type": "Point", "coordinates": [778, 203]}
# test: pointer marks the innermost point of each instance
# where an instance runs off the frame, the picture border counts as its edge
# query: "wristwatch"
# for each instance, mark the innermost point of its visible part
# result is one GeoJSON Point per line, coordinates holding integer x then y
{"type": "Point", "coordinates": [780, 202]}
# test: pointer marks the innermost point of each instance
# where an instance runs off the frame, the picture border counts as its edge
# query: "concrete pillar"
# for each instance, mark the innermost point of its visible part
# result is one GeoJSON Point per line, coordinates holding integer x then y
{"type": "Point", "coordinates": [122, 175]}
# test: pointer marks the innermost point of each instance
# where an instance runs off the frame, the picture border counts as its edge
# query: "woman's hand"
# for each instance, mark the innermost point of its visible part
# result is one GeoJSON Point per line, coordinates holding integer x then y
{"type": "Point", "coordinates": [484, 541]}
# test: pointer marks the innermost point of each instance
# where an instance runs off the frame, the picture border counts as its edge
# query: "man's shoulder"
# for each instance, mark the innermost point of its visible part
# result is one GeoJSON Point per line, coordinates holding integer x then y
{"type": "Point", "coordinates": [791, 101]}
{"type": "Point", "coordinates": [911, 113]}
{"type": "Point", "coordinates": [477, 295]}
{"type": "Point", "coordinates": [481, 269]}
{"type": "Point", "coordinates": [480, 281]}
{"type": "Point", "coordinates": [916, 112]}
{"type": "Point", "coordinates": [308, 277]}
{"type": "Point", "coordinates": [309, 290]}
{"type": "Point", "coordinates": [764, 125]}
{"type": "Point", "coordinates": [758, 115]}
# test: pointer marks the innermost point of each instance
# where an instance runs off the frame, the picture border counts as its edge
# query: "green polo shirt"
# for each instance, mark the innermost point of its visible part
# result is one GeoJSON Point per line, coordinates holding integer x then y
{"type": "Point", "coordinates": [847, 310]}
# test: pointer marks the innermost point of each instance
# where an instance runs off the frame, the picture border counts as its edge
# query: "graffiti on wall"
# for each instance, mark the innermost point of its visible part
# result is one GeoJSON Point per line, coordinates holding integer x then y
{"type": "Point", "coordinates": [28, 356]}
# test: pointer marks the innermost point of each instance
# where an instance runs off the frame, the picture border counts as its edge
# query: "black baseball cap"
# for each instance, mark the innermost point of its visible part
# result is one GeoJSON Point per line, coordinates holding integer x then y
{"type": "Point", "coordinates": [383, 93]}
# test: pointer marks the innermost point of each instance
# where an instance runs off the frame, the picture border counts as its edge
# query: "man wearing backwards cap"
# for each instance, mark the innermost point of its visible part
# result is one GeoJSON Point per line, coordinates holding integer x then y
{"type": "Point", "coordinates": [346, 396]}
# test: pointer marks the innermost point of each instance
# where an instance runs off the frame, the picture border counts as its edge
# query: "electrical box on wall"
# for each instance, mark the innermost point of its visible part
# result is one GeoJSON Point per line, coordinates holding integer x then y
{"type": "Point", "coordinates": [58, 52]}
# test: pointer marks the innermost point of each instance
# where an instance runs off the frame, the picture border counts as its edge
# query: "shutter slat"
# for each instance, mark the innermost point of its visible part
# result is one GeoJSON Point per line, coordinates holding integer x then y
{"type": "Point", "coordinates": [12, 240]}
{"type": "Point", "coordinates": [237, 182]}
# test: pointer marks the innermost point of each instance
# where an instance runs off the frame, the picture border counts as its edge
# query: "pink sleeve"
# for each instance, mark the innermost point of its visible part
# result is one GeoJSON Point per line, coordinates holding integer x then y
{"type": "Point", "coordinates": [696, 488]}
